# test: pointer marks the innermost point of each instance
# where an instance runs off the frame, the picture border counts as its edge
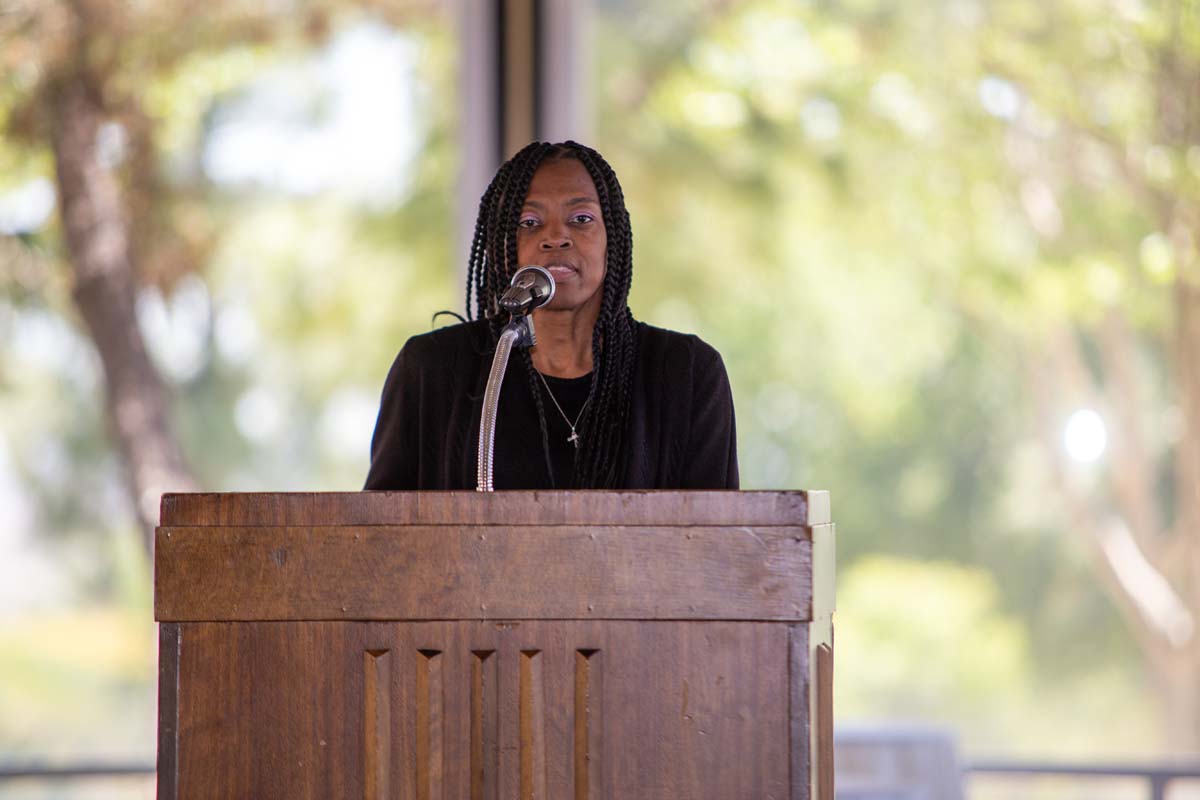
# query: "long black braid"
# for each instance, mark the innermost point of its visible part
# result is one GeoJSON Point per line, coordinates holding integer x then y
{"type": "Point", "coordinates": [600, 462]}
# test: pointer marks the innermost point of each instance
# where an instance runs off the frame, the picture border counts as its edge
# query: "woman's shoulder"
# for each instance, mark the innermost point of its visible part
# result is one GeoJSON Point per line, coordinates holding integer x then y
{"type": "Point", "coordinates": [661, 344]}
{"type": "Point", "coordinates": [436, 345]}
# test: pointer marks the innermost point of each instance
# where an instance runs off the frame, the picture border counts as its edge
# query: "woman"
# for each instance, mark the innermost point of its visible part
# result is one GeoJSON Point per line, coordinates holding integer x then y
{"type": "Point", "coordinates": [602, 401]}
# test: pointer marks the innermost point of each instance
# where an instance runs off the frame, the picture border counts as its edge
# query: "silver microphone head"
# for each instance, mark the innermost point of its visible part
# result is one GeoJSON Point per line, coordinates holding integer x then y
{"type": "Point", "coordinates": [531, 287]}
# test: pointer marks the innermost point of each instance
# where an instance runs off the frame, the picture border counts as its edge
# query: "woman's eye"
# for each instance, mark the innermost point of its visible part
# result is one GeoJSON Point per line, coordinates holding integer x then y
{"type": "Point", "coordinates": [527, 222]}
{"type": "Point", "coordinates": [583, 218]}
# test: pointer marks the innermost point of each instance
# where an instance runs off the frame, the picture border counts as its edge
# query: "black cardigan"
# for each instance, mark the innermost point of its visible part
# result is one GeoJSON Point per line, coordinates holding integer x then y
{"type": "Point", "coordinates": [682, 433]}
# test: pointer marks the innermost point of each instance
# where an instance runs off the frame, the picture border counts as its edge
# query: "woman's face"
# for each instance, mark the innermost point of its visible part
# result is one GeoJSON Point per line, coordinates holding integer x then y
{"type": "Point", "coordinates": [560, 229]}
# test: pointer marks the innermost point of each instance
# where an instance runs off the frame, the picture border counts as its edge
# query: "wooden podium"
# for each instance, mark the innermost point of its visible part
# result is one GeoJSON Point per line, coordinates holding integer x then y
{"type": "Point", "coordinates": [556, 645]}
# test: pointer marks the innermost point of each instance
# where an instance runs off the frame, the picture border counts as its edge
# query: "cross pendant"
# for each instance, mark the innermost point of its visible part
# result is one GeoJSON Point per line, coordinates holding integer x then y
{"type": "Point", "coordinates": [574, 439]}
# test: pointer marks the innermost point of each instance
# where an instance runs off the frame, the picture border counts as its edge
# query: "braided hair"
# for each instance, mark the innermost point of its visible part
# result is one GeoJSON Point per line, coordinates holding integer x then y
{"type": "Point", "coordinates": [600, 461]}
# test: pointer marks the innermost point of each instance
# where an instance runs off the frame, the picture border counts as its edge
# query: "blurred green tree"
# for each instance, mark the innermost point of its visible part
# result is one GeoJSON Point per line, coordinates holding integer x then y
{"type": "Point", "coordinates": [921, 236]}
{"type": "Point", "coordinates": [934, 627]}
{"type": "Point", "coordinates": [936, 231]}
{"type": "Point", "coordinates": [284, 295]}
{"type": "Point", "coordinates": [79, 93]}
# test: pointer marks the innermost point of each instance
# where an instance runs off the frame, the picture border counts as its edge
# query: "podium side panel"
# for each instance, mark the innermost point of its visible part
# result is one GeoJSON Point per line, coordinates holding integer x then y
{"type": "Point", "coordinates": [800, 717]}
{"type": "Point", "coordinates": [168, 711]}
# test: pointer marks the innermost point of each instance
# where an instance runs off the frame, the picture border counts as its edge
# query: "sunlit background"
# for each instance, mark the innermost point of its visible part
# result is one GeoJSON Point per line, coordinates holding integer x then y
{"type": "Point", "coordinates": [947, 249]}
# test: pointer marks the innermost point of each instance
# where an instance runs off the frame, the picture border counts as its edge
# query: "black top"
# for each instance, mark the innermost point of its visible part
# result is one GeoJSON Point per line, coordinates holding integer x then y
{"type": "Point", "coordinates": [571, 394]}
{"type": "Point", "coordinates": [682, 433]}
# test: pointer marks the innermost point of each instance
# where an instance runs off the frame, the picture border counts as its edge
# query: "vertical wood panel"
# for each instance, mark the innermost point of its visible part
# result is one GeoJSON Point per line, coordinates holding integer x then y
{"type": "Point", "coordinates": [169, 645]}
{"type": "Point", "coordinates": [824, 722]}
{"type": "Point", "coordinates": [800, 753]}
{"type": "Point", "coordinates": [533, 727]}
{"type": "Point", "coordinates": [377, 724]}
{"type": "Point", "coordinates": [572, 709]}
{"type": "Point", "coordinates": [485, 752]}
{"type": "Point", "coordinates": [429, 728]}
{"type": "Point", "coordinates": [587, 724]}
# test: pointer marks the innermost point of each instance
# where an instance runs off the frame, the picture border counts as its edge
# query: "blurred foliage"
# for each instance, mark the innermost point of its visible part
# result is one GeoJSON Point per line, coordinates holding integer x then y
{"type": "Point", "coordinates": [80, 680]}
{"type": "Point", "coordinates": [837, 195]}
{"type": "Point", "coordinates": [879, 215]}
{"type": "Point", "coordinates": [935, 628]}
{"type": "Point", "coordinates": [940, 631]}
{"type": "Point", "coordinates": [275, 349]}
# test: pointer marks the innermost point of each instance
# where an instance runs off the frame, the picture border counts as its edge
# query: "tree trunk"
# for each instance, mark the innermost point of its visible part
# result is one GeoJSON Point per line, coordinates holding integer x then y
{"type": "Point", "coordinates": [97, 239]}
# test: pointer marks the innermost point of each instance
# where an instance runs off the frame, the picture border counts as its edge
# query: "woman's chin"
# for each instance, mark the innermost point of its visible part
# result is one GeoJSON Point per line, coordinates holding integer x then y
{"type": "Point", "coordinates": [566, 303]}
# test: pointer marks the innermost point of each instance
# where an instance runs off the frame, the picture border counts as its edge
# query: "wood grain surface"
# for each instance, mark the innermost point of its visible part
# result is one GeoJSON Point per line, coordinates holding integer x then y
{"type": "Point", "coordinates": [482, 572]}
{"type": "Point", "coordinates": [497, 508]}
{"type": "Point", "coordinates": [824, 722]}
{"type": "Point", "coordinates": [168, 709]}
{"type": "Point", "coordinates": [799, 716]}
{"type": "Point", "coordinates": [673, 710]}
{"type": "Point", "coordinates": [586, 645]}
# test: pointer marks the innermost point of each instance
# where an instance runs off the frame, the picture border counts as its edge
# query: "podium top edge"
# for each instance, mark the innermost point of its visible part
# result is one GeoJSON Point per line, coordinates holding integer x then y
{"type": "Point", "coordinates": [804, 508]}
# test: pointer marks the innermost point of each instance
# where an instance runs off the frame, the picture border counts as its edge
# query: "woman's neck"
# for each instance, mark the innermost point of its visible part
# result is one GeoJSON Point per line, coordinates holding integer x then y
{"type": "Point", "coordinates": [564, 343]}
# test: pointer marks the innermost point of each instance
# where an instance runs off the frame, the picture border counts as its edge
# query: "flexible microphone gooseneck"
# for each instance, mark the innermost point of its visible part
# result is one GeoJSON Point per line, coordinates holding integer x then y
{"type": "Point", "coordinates": [531, 287]}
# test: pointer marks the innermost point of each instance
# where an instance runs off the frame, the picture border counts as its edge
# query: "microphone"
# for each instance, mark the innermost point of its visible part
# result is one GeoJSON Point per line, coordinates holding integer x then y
{"type": "Point", "coordinates": [531, 287]}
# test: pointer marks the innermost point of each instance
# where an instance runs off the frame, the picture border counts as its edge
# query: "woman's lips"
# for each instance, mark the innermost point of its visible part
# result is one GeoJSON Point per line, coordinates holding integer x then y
{"type": "Point", "coordinates": [560, 271]}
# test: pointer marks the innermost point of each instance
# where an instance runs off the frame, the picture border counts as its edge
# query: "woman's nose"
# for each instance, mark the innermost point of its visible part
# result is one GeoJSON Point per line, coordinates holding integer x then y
{"type": "Point", "coordinates": [555, 241]}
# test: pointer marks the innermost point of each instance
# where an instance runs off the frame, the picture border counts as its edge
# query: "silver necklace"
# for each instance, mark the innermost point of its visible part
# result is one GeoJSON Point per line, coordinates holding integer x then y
{"type": "Point", "coordinates": [574, 437]}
